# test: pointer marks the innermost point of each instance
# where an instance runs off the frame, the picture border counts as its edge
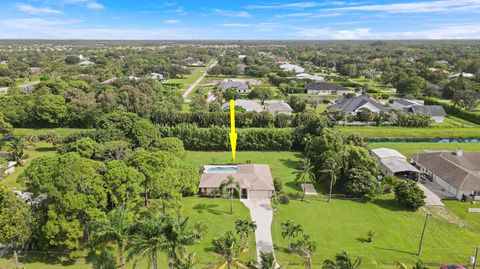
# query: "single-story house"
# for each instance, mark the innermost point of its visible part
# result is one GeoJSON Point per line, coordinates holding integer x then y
{"type": "Point", "coordinates": [241, 87]}
{"type": "Point", "coordinates": [356, 104]}
{"type": "Point", "coordinates": [86, 63]}
{"type": "Point", "coordinates": [274, 107]}
{"type": "Point", "coordinates": [292, 68]}
{"type": "Point", "coordinates": [193, 62]}
{"type": "Point", "coordinates": [401, 104]}
{"type": "Point", "coordinates": [435, 112]}
{"type": "Point", "coordinates": [326, 88]}
{"type": "Point", "coordinates": [463, 74]}
{"type": "Point", "coordinates": [156, 76]}
{"type": "Point", "coordinates": [393, 163]}
{"type": "Point", "coordinates": [456, 172]}
{"type": "Point", "coordinates": [315, 78]}
{"type": "Point", "coordinates": [10, 168]}
{"type": "Point", "coordinates": [255, 180]}
{"type": "Point", "coordinates": [133, 78]}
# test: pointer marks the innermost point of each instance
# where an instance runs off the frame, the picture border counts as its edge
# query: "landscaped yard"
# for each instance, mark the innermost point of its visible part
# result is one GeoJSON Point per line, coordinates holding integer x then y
{"type": "Point", "coordinates": [43, 131]}
{"type": "Point", "coordinates": [461, 210]}
{"type": "Point", "coordinates": [282, 163]}
{"type": "Point", "coordinates": [341, 225]}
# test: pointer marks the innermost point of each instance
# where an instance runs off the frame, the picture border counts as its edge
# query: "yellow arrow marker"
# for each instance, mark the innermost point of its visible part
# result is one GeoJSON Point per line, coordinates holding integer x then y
{"type": "Point", "coordinates": [233, 134]}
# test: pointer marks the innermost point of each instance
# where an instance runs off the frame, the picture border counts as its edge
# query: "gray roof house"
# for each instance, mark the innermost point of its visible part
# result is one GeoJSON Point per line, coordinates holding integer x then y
{"type": "Point", "coordinates": [357, 104]}
{"type": "Point", "coordinates": [392, 162]}
{"type": "Point", "coordinates": [401, 103]}
{"type": "Point", "coordinates": [86, 63]}
{"type": "Point", "coordinates": [248, 105]}
{"type": "Point", "coordinates": [274, 107]}
{"type": "Point", "coordinates": [435, 112]}
{"type": "Point", "coordinates": [255, 180]}
{"type": "Point", "coordinates": [278, 107]}
{"type": "Point", "coordinates": [326, 88]}
{"type": "Point", "coordinates": [241, 87]}
{"type": "Point", "coordinates": [458, 173]}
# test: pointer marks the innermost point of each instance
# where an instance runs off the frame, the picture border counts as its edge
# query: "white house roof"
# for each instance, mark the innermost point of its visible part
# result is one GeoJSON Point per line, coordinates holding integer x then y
{"type": "Point", "coordinates": [277, 106]}
{"type": "Point", "coordinates": [292, 68]}
{"type": "Point", "coordinates": [397, 165]}
{"type": "Point", "coordinates": [249, 176]}
{"type": "Point", "coordinates": [383, 153]}
{"type": "Point", "coordinates": [248, 105]}
{"type": "Point", "coordinates": [463, 74]}
{"type": "Point", "coordinates": [86, 63]}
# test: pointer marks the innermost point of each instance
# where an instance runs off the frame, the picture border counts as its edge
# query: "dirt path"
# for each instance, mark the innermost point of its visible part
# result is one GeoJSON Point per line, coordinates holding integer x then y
{"type": "Point", "coordinates": [195, 84]}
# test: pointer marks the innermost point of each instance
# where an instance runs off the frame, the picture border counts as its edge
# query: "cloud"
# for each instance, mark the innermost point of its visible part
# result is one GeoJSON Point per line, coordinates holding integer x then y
{"type": "Point", "coordinates": [36, 10]}
{"type": "Point", "coordinates": [462, 31]}
{"type": "Point", "coordinates": [34, 23]}
{"type": "Point", "coordinates": [307, 15]}
{"type": "Point", "coordinates": [420, 7]}
{"type": "Point", "coordinates": [237, 25]}
{"type": "Point", "coordinates": [298, 5]}
{"type": "Point", "coordinates": [227, 13]}
{"type": "Point", "coordinates": [173, 21]}
{"type": "Point", "coordinates": [90, 4]}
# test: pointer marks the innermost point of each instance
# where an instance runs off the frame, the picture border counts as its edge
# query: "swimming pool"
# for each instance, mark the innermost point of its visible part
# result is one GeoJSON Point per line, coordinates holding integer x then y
{"type": "Point", "coordinates": [222, 169]}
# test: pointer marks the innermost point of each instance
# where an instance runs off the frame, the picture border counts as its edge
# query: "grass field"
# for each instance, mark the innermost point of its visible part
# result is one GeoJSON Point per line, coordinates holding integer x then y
{"type": "Point", "coordinates": [393, 132]}
{"type": "Point", "coordinates": [341, 225]}
{"type": "Point", "coordinates": [212, 212]}
{"type": "Point", "coordinates": [282, 163]}
{"type": "Point", "coordinates": [39, 149]}
{"type": "Point", "coordinates": [411, 148]}
{"type": "Point", "coordinates": [461, 210]}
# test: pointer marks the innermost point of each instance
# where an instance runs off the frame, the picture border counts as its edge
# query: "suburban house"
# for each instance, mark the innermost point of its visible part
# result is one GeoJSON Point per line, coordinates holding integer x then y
{"type": "Point", "coordinates": [292, 68]}
{"type": "Point", "coordinates": [458, 173]}
{"type": "Point", "coordinates": [255, 180]}
{"type": "Point", "coordinates": [357, 104]}
{"type": "Point", "coordinates": [463, 75]}
{"type": "Point", "coordinates": [326, 88]}
{"type": "Point", "coordinates": [10, 168]}
{"type": "Point", "coordinates": [274, 107]}
{"type": "Point", "coordinates": [315, 78]}
{"type": "Point", "coordinates": [393, 163]}
{"type": "Point", "coordinates": [241, 87]}
{"type": "Point", "coordinates": [435, 112]}
{"type": "Point", "coordinates": [156, 76]}
{"type": "Point", "coordinates": [193, 62]}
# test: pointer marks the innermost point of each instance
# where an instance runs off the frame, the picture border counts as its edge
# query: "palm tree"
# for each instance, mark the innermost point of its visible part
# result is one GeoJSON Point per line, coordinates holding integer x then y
{"type": "Point", "coordinates": [304, 173]}
{"type": "Point", "coordinates": [114, 228]}
{"type": "Point", "coordinates": [418, 264]}
{"type": "Point", "coordinates": [267, 260]}
{"type": "Point", "coordinates": [162, 234]}
{"type": "Point", "coordinates": [230, 248]}
{"type": "Point", "coordinates": [187, 262]}
{"type": "Point", "coordinates": [289, 230]}
{"type": "Point", "coordinates": [342, 261]}
{"type": "Point", "coordinates": [245, 228]}
{"type": "Point", "coordinates": [333, 170]}
{"type": "Point", "coordinates": [230, 185]}
{"type": "Point", "coordinates": [305, 247]}
{"type": "Point", "coordinates": [16, 149]}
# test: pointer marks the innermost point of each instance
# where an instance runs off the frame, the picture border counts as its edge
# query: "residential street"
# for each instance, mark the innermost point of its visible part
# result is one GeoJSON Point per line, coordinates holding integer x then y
{"type": "Point", "coordinates": [195, 84]}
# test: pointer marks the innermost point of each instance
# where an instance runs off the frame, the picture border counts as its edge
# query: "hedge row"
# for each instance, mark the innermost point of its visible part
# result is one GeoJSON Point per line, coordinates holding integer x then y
{"type": "Point", "coordinates": [455, 111]}
{"type": "Point", "coordinates": [217, 138]}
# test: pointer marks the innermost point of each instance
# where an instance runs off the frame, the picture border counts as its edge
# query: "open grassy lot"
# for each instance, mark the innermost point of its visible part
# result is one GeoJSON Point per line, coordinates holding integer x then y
{"type": "Point", "coordinates": [461, 209]}
{"type": "Point", "coordinates": [43, 131]}
{"type": "Point", "coordinates": [282, 163]}
{"type": "Point", "coordinates": [341, 225]}
{"type": "Point", "coordinates": [394, 132]}
{"type": "Point", "coordinates": [39, 149]}
{"type": "Point", "coordinates": [411, 148]}
{"type": "Point", "coordinates": [212, 212]}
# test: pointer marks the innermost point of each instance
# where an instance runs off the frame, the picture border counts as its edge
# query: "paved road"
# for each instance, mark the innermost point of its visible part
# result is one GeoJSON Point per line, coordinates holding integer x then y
{"type": "Point", "coordinates": [191, 87]}
{"type": "Point", "coordinates": [262, 213]}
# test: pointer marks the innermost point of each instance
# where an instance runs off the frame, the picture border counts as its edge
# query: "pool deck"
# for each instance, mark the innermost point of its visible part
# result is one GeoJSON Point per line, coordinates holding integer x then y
{"type": "Point", "coordinates": [207, 169]}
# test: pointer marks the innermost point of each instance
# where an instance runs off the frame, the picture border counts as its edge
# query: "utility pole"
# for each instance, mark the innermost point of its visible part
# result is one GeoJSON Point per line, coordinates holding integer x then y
{"type": "Point", "coordinates": [423, 234]}
{"type": "Point", "coordinates": [475, 258]}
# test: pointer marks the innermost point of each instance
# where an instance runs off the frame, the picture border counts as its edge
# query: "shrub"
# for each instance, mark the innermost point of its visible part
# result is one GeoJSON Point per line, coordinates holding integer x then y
{"type": "Point", "coordinates": [389, 183]}
{"type": "Point", "coordinates": [412, 120]}
{"type": "Point", "coordinates": [408, 194]}
{"type": "Point", "coordinates": [282, 198]}
{"type": "Point", "coordinates": [278, 184]}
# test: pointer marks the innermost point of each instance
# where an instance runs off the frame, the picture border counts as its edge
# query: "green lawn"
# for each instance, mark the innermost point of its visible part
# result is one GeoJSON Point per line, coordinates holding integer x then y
{"type": "Point", "coordinates": [461, 210]}
{"type": "Point", "coordinates": [212, 212]}
{"type": "Point", "coordinates": [43, 131]}
{"type": "Point", "coordinates": [392, 132]}
{"type": "Point", "coordinates": [341, 225]}
{"type": "Point", "coordinates": [411, 148]}
{"type": "Point", "coordinates": [282, 163]}
{"type": "Point", "coordinates": [39, 149]}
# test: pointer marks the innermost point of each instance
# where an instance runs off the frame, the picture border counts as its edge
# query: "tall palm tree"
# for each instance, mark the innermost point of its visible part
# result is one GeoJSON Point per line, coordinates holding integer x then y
{"type": "Point", "coordinates": [114, 228]}
{"type": "Point", "coordinates": [304, 173]}
{"type": "Point", "coordinates": [342, 261]}
{"type": "Point", "coordinates": [245, 228]}
{"type": "Point", "coordinates": [162, 234]}
{"type": "Point", "coordinates": [230, 186]}
{"type": "Point", "coordinates": [333, 169]}
{"type": "Point", "coordinates": [305, 247]}
{"type": "Point", "coordinates": [267, 260]}
{"type": "Point", "coordinates": [290, 230]}
{"type": "Point", "coordinates": [16, 149]}
{"type": "Point", "coordinates": [230, 248]}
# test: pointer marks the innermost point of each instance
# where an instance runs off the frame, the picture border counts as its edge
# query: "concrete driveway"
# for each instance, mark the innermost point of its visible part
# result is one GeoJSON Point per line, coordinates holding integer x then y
{"type": "Point", "coordinates": [434, 193]}
{"type": "Point", "coordinates": [262, 213]}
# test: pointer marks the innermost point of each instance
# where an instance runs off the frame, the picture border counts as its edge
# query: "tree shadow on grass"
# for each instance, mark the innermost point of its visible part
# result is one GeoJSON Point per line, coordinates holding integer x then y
{"type": "Point", "coordinates": [396, 250]}
{"type": "Point", "coordinates": [389, 204]}
{"type": "Point", "coordinates": [45, 149]}
{"type": "Point", "coordinates": [45, 258]}
{"type": "Point", "coordinates": [210, 208]}
{"type": "Point", "coordinates": [294, 185]}
{"type": "Point", "coordinates": [290, 163]}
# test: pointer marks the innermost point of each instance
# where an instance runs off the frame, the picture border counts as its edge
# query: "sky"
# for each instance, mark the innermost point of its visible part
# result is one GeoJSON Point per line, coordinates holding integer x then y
{"type": "Point", "coordinates": [239, 20]}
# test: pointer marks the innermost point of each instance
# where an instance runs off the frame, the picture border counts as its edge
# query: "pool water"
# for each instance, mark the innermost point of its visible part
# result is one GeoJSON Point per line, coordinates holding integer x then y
{"type": "Point", "coordinates": [222, 169]}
